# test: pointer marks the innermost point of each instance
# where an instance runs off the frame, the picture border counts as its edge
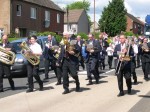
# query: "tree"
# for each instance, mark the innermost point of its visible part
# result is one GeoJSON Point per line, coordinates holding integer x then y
{"type": "Point", "coordinates": [80, 5]}
{"type": "Point", "coordinates": [85, 4]}
{"type": "Point", "coordinates": [113, 19]}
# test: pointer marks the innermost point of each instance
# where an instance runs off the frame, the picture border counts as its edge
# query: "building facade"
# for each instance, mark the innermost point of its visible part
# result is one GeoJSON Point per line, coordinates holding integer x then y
{"type": "Point", "coordinates": [134, 24]}
{"type": "Point", "coordinates": [27, 17]}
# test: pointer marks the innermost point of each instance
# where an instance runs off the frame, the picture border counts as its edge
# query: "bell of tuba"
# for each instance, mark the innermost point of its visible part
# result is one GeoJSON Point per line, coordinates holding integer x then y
{"type": "Point", "coordinates": [26, 52]}
{"type": "Point", "coordinates": [7, 57]}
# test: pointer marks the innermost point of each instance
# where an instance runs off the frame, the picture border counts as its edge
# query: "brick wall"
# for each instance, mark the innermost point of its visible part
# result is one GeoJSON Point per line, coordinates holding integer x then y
{"type": "Point", "coordinates": [5, 15]}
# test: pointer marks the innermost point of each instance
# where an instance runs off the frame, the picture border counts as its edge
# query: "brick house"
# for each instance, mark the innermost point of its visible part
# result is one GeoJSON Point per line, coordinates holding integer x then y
{"type": "Point", "coordinates": [134, 24]}
{"type": "Point", "coordinates": [30, 16]}
{"type": "Point", "coordinates": [76, 22]}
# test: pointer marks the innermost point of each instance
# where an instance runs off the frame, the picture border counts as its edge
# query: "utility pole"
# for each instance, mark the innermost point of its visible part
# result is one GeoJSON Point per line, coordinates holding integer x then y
{"type": "Point", "coordinates": [67, 19]}
{"type": "Point", "coordinates": [94, 18]}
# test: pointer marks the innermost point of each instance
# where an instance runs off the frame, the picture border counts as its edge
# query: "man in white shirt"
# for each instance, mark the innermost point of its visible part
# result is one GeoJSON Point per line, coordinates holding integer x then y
{"type": "Point", "coordinates": [33, 69]}
{"type": "Point", "coordinates": [110, 51]}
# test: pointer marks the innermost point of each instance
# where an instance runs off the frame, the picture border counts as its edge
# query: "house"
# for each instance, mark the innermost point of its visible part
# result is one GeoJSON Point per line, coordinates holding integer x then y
{"type": "Point", "coordinates": [27, 17]}
{"type": "Point", "coordinates": [76, 21]}
{"type": "Point", "coordinates": [134, 24]}
{"type": "Point", "coordinates": [96, 27]}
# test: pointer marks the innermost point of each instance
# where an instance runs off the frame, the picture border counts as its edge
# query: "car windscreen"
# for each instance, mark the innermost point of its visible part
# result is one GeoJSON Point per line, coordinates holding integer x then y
{"type": "Point", "coordinates": [16, 46]}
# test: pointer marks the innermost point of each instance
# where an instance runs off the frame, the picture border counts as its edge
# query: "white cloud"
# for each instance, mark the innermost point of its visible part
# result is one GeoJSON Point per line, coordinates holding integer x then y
{"type": "Point", "coordinates": [139, 8]}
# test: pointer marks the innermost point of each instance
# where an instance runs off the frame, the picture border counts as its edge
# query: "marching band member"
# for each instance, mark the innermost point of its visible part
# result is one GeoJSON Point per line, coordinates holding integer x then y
{"type": "Point", "coordinates": [124, 68]}
{"type": "Point", "coordinates": [48, 55]}
{"type": "Point", "coordinates": [92, 59]}
{"type": "Point", "coordinates": [145, 57]}
{"type": "Point", "coordinates": [80, 43]}
{"type": "Point", "coordinates": [69, 63]}
{"type": "Point", "coordinates": [32, 70]}
{"type": "Point", "coordinates": [4, 68]}
{"type": "Point", "coordinates": [133, 61]}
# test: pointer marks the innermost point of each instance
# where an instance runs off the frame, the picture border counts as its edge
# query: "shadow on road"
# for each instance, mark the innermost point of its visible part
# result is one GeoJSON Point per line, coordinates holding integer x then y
{"type": "Point", "coordinates": [144, 96]}
{"type": "Point", "coordinates": [133, 92]}
{"type": "Point", "coordinates": [16, 88]}
{"type": "Point", "coordinates": [81, 89]}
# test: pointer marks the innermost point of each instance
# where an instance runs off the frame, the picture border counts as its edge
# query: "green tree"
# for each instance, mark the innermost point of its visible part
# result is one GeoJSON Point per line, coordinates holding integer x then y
{"type": "Point", "coordinates": [113, 19]}
{"type": "Point", "coordinates": [80, 5]}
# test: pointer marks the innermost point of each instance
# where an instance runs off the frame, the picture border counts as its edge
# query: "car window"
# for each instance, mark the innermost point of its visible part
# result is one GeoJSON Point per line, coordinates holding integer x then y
{"type": "Point", "coordinates": [40, 42]}
{"type": "Point", "coordinates": [45, 40]}
{"type": "Point", "coordinates": [16, 46]}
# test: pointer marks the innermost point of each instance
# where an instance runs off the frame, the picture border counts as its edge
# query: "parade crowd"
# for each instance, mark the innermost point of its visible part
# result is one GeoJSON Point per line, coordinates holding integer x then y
{"type": "Point", "coordinates": [65, 57]}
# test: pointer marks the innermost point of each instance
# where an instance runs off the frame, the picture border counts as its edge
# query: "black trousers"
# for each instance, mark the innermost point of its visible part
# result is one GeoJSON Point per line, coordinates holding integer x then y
{"type": "Point", "coordinates": [110, 59]}
{"type": "Point", "coordinates": [58, 73]}
{"type": "Point", "coordinates": [92, 68]}
{"type": "Point", "coordinates": [47, 65]}
{"type": "Point", "coordinates": [138, 60]}
{"type": "Point", "coordinates": [146, 68]}
{"type": "Point", "coordinates": [68, 67]}
{"type": "Point", "coordinates": [5, 70]}
{"type": "Point", "coordinates": [127, 74]}
{"type": "Point", "coordinates": [102, 64]}
{"type": "Point", "coordinates": [81, 61]}
{"type": "Point", "coordinates": [33, 72]}
{"type": "Point", "coordinates": [133, 66]}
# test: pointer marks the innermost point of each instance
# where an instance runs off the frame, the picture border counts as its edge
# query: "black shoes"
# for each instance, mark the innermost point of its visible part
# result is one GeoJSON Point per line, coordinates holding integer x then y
{"type": "Point", "coordinates": [41, 86]}
{"type": "Point", "coordinates": [121, 94]}
{"type": "Point", "coordinates": [29, 90]}
{"type": "Point", "coordinates": [1, 90]}
{"type": "Point", "coordinates": [46, 78]}
{"type": "Point", "coordinates": [90, 83]}
{"type": "Point", "coordinates": [78, 89]}
{"type": "Point", "coordinates": [146, 78]}
{"type": "Point", "coordinates": [129, 91]}
{"type": "Point", "coordinates": [97, 81]}
{"type": "Point", "coordinates": [135, 81]}
{"type": "Point", "coordinates": [58, 83]}
{"type": "Point", "coordinates": [66, 91]}
{"type": "Point", "coordinates": [13, 88]}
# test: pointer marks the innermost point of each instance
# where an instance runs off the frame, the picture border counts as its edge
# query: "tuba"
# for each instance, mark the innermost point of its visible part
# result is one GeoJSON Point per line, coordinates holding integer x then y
{"type": "Point", "coordinates": [26, 52]}
{"type": "Point", "coordinates": [7, 57]}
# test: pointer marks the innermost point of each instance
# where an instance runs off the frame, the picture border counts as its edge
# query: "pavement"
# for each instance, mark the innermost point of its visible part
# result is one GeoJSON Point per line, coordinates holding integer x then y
{"type": "Point", "coordinates": [100, 97]}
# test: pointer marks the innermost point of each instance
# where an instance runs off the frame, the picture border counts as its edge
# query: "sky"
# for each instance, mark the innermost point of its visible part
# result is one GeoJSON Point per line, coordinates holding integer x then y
{"type": "Point", "coordinates": [138, 8]}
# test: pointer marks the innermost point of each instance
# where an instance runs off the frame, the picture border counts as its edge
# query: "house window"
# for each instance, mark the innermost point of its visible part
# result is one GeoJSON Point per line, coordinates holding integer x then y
{"type": "Point", "coordinates": [58, 18]}
{"type": "Point", "coordinates": [47, 19]}
{"type": "Point", "coordinates": [135, 26]}
{"type": "Point", "coordinates": [18, 10]}
{"type": "Point", "coordinates": [33, 13]}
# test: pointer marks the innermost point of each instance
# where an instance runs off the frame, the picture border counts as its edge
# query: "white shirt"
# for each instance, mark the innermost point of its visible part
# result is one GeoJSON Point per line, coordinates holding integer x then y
{"type": "Point", "coordinates": [36, 48]}
{"type": "Point", "coordinates": [109, 51]}
{"type": "Point", "coordinates": [123, 46]}
{"type": "Point", "coordinates": [135, 49]}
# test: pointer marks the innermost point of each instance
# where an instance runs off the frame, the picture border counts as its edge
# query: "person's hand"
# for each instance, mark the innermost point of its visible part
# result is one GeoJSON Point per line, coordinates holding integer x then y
{"type": "Point", "coordinates": [57, 64]}
{"type": "Point", "coordinates": [71, 52]}
{"type": "Point", "coordinates": [91, 51]}
{"type": "Point", "coordinates": [124, 50]}
{"type": "Point", "coordinates": [8, 49]}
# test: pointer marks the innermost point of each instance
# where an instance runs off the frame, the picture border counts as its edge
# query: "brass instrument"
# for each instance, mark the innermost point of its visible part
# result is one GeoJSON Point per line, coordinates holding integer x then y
{"type": "Point", "coordinates": [57, 51]}
{"type": "Point", "coordinates": [70, 47]}
{"type": "Point", "coordinates": [145, 47]}
{"type": "Point", "coordinates": [7, 57]}
{"type": "Point", "coordinates": [26, 52]}
{"type": "Point", "coordinates": [125, 57]}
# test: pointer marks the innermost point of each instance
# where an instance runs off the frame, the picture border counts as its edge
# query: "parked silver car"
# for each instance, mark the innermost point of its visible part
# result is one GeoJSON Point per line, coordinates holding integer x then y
{"type": "Point", "coordinates": [19, 67]}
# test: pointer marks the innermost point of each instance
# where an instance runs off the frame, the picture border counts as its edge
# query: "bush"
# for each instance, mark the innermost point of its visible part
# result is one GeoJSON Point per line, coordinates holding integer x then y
{"type": "Point", "coordinates": [58, 37]}
{"type": "Point", "coordinates": [83, 36]}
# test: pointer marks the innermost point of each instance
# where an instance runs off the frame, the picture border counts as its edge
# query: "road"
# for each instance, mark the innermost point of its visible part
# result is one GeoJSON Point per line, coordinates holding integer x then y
{"type": "Point", "coordinates": [93, 98]}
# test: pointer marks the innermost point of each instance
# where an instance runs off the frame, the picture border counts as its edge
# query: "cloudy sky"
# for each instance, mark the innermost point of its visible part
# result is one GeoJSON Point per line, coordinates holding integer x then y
{"type": "Point", "coordinates": [139, 8]}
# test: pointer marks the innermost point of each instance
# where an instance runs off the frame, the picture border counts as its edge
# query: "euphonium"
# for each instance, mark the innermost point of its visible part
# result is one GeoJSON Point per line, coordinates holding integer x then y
{"type": "Point", "coordinates": [26, 52]}
{"type": "Point", "coordinates": [7, 57]}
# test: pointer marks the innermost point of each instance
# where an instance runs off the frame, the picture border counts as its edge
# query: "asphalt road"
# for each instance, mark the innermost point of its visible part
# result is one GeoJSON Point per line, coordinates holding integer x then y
{"type": "Point", "coordinates": [21, 83]}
